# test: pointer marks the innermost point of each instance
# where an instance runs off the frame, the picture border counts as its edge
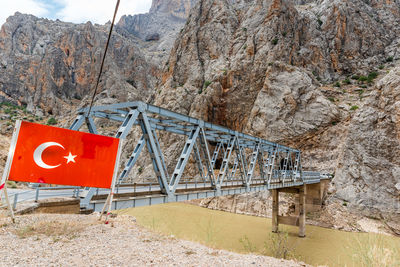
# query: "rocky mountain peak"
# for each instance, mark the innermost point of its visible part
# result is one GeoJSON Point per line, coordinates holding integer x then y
{"type": "Point", "coordinates": [177, 8]}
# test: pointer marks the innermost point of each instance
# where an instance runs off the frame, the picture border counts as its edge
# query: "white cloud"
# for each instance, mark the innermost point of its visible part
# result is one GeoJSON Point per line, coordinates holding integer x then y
{"type": "Point", "coordinates": [99, 11]}
{"type": "Point", "coordinates": [9, 7]}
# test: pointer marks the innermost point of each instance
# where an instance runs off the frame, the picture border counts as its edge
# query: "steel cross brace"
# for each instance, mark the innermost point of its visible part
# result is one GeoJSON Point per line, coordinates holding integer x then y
{"type": "Point", "coordinates": [225, 162]}
{"type": "Point", "coordinates": [208, 160]}
{"type": "Point", "coordinates": [154, 154]}
{"type": "Point", "coordinates": [132, 159]}
{"type": "Point", "coordinates": [261, 164]}
{"type": "Point", "coordinates": [183, 159]}
{"type": "Point", "coordinates": [199, 162]}
{"type": "Point", "coordinates": [271, 164]}
{"type": "Point", "coordinates": [241, 158]}
{"type": "Point", "coordinates": [253, 159]}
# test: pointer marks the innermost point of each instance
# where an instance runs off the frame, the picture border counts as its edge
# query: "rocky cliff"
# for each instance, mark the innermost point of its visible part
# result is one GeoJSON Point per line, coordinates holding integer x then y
{"type": "Point", "coordinates": [302, 73]}
{"type": "Point", "coordinates": [51, 65]}
{"type": "Point", "coordinates": [158, 28]}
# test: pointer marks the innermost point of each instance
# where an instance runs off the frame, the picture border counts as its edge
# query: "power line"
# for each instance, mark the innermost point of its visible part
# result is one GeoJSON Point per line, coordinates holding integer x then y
{"type": "Point", "coordinates": [104, 57]}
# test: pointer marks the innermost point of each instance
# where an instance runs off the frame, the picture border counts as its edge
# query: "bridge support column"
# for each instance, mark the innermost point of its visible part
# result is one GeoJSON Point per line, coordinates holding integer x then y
{"type": "Point", "coordinates": [275, 210]}
{"type": "Point", "coordinates": [302, 211]}
{"type": "Point", "coordinates": [299, 220]}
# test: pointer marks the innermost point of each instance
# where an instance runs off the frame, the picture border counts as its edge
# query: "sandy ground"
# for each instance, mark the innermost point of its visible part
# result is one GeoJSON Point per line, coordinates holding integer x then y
{"type": "Point", "coordinates": [81, 240]}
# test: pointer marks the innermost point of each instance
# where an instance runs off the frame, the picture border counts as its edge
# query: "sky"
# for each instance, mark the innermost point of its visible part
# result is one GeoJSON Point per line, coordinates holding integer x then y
{"type": "Point", "coordinates": [77, 11]}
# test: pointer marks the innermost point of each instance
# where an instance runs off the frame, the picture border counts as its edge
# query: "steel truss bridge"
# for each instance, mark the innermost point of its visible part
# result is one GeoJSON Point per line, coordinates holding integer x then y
{"type": "Point", "coordinates": [228, 162]}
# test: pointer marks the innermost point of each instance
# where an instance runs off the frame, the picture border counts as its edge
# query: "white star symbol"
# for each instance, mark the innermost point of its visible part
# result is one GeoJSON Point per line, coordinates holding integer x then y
{"type": "Point", "coordinates": [70, 158]}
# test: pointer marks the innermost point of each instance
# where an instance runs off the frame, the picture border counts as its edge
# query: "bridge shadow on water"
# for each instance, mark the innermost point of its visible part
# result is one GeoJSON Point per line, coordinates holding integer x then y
{"type": "Point", "coordinates": [250, 234]}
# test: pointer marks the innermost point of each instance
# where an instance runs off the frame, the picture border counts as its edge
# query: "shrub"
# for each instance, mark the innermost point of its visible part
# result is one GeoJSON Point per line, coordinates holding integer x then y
{"type": "Point", "coordinates": [206, 84]}
{"type": "Point", "coordinates": [279, 246]}
{"type": "Point", "coordinates": [381, 67]}
{"type": "Point", "coordinates": [331, 99]}
{"type": "Point", "coordinates": [284, 34]}
{"type": "Point", "coordinates": [372, 75]}
{"type": "Point", "coordinates": [354, 107]}
{"type": "Point", "coordinates": [389, 59]}
{"type": "Point", "coordinates": [247, 244]}
{"type": "Point", "coordinates": [244, 29]}
{"type": "Point", "coordinates": [337, 84]}
{"type": "Point", "coordinates": [363, 78]}
{"type": "Point", "coordinates": [355, 77]}
{"type": "Point", "coordinates": [52, 121]}
{"type": "Point", "coordinates": [374, 251]}
{"type": "Point", "coordinates": [346, 81]}
{"type": "Point", "coordinates": [319, 22]}
{"type": "Point", "coordinates": [12, 184]}
{"type": "Point", "coordinates": [275, 41]}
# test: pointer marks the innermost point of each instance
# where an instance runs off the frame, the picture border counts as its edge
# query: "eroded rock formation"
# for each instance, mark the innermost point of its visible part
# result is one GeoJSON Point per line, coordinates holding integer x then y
{"type": "Point", "coordinates": [267, 68]}
{"type": "Point", "coordinates": [50, 65]}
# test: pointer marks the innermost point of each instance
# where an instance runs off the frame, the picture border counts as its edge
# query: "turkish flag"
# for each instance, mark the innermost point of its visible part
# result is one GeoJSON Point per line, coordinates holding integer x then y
{"type": "Point", "coordinates": [51, 155]}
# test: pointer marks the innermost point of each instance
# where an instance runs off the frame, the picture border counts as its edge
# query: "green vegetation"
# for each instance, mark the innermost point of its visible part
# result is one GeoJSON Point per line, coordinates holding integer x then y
{"type": "Point", "coordinates": [16, 112]}
{"type": "Point", "coordinates": [243, 234]}
{"type": "Point", "coordinates": [319, 22]}
{"type": "Point", "coordinates": [244, 29]}
{"type": "Point", "coordinates": [373, 251]}
{"type": "Point", "coordinates": [52, 121]}
{"type": "Point", "coordinates": [389, 59]}
{"type": "Point", "coordinates": [275, 41]}
{"type": "Point", "coordinates": [369, 79]}
{"type": "Point", "coordinates": [245, 47]}
{"type": "Point", "coordinates": [280, 246]}
{"type": "Point", "coordinates": [331, 99]}
{"type": "Point", "coordinates": [381, 67]}
{"type": "Point", "coordinates": [337, 84]}
{"type": "Point", "coordinates": [372, 75]}
{"type": "Point", "coordinates": [248, 246]}
{"type": "Point", "coordinates": [206, 84]}
{"type": "Point", "coordinates": [284, 34]}
{"type": "Point", "coordinates": [354, 107]}
{"type": "Point", "coordinates": [363, 78]}
{"type": "Point", "coordinates": [11, 184]}
{"type": "Point", "coordinates": [346, 81]}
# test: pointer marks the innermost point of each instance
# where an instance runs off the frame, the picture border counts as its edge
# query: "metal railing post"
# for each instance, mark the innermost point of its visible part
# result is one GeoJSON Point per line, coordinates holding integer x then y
{"type": "Point", "coordinates": [15, 201]}
{"type": "Point", "coordinates": [37, 194]}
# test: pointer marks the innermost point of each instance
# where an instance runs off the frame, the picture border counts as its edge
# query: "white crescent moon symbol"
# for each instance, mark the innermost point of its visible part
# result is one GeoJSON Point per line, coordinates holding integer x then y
{"type": "Point", "coordinates": [37, 155]}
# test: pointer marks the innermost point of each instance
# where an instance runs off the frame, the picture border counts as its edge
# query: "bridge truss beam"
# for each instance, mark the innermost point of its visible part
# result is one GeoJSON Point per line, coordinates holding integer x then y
{"type": "Point", "coordinates": [274, 164]}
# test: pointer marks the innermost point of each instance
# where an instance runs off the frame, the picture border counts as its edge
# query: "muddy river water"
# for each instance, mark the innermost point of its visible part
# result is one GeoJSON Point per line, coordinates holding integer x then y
{"type": "Point", "coordinates": [249, 234]}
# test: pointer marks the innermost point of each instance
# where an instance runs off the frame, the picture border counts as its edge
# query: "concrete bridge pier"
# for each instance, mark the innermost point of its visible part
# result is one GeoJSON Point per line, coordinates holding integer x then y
{"type": "Point", "coordinates": [300, 219]}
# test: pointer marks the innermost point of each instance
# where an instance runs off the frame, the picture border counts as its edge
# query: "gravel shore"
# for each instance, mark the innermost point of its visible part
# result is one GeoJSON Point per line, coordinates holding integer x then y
{"type": "Point", "coordinates": [81, 240]}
